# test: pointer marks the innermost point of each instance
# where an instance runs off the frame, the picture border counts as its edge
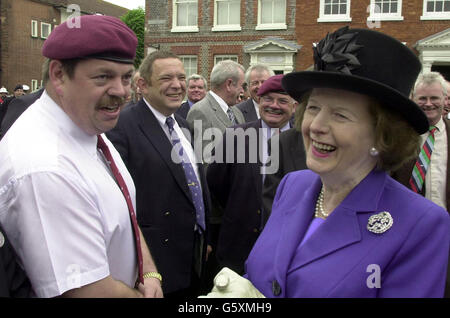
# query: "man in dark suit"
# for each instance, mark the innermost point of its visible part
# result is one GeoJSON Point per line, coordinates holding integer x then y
{"type": "Point", "coordinates": [254, 77]}
{"type": "Point", "coordinates": [147, 136]}
{"type": "Point", "coordinates": [237, 183]}
{"type": "Point", "coordinates": [291, 157]}
{"type": "Point", "coordinates": [16, 108]}
{"type": "Point", "coordinates": [13, 280]}
{"type": "Point", "coordinates": [196, 91]}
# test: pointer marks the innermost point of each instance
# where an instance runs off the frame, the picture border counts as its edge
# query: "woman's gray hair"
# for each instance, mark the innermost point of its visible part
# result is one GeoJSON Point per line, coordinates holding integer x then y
{"type": "Point", "coordinates": [225, 70]}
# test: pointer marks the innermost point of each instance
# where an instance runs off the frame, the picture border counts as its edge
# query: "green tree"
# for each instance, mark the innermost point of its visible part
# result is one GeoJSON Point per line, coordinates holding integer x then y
{"type": "Point", "coordinates": [135, 19]}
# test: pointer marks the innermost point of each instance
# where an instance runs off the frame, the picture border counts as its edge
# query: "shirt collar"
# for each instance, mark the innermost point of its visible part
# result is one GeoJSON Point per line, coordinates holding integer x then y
{"type": "Point", "coordinates": [256, 105]}
{"type": "Point", "coordinates": [159, 116]}
{"type": "Point", "coordinates": [284, 128]}
{"type": "Point", "coordinates": [440, 125]}
{"type": "Point", "coordinates": [66, 125]}
{"type": "Point", "coordinates": [221, 102]}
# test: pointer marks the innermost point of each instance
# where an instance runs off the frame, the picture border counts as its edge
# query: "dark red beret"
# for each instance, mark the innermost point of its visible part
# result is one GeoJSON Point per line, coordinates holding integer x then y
{"type": "Point", "coordinates": [272, 84]}
{"type": "Point", "coordinates": [92, 36]}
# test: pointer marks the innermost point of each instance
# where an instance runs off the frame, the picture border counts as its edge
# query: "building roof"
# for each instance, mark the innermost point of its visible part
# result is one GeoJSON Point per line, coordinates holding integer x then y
{"type": "Point", "coordinates": [272, 43]}
{"type": "Point", "coordinates": [90, 6]}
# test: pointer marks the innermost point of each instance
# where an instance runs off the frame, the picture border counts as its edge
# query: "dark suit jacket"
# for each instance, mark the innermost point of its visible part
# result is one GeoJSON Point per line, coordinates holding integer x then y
{"type": "Point", "coordinates": [13, 280]}
{"type": "Point", "coordinates": [237, 187]}
{"type": "Point", "coordinates": [291, 157]}
{"type": "Point", "coordinates": [403, 175]}
{"type": "Point", "coordinates": [183, 110]}
{"type": "Point", "coordinates": [165, 211]}
{"type": "Point", "coordinates": [16, 108]}
{"type": "Point", "coordinates": [248, 110]}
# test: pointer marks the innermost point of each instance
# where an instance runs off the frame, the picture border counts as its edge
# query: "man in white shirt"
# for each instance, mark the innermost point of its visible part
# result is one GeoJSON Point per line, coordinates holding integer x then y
{"type": "Point", "coordinates": [60, 203]}
{"type": "Point", "coordinates": [429, 94]}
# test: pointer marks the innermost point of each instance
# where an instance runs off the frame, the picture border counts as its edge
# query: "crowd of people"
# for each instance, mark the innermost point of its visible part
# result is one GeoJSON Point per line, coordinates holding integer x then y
{"type": "Point", "coordinates": [116, 182]}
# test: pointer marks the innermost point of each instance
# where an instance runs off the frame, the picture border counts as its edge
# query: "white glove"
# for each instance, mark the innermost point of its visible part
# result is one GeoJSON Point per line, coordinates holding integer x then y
{"type": "Point", "coordinates": [228, 284]}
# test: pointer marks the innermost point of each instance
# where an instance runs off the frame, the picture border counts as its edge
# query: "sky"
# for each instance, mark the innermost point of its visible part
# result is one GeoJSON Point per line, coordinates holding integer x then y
{"type": "Point", "coordinates": [129, 4]}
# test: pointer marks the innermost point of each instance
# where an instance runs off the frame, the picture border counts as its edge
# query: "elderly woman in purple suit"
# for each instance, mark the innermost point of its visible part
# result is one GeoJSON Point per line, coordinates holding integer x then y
{"type": "Point", "coordinates": [345, 228]}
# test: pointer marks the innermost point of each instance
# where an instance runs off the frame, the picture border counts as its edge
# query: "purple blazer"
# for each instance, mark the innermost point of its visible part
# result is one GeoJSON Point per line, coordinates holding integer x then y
{"type": "Point", "coordinates": [342, 258]}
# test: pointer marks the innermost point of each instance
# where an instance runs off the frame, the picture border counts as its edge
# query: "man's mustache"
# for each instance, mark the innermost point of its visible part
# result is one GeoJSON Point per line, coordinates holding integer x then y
{"type": "Point", "coordinates": [112, 101]}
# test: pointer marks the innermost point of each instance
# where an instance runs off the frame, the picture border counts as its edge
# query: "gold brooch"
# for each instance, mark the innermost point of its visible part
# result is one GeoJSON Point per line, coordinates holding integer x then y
{"type": "Point", "coordinates": [380, 223]}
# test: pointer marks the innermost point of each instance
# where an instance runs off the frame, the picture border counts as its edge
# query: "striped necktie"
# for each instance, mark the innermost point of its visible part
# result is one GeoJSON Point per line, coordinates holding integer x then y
{"type": "Point", "coordinates": [420, 169]}
{"type": "Point", "coordinates": [231, 116]}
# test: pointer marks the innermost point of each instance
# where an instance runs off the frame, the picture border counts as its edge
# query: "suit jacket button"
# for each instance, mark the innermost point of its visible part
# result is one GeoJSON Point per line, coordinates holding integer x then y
{"type": "Point", "coordinates": [276, 288]}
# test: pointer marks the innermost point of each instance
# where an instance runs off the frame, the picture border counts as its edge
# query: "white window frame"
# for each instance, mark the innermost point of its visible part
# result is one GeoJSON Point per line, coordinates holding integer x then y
{"type": "Point", "coordinates": [188, 28]}
{"type": "Point", "coordinates": [224, 57]}
{"type": "Point", "coordinates": [34, 85]}
{"type": "Point", "coordinates": [433, 15]}
{"type": "Point", "coordinates": [34, 28]}
{"type": "Point", "coordinates": [377, 15]}
{"type": "Point", "coordinates": [271, 26]}
{"type": "Point", "coordinates": [334, 17]}
{"type": "Point", "coordinates": [49, 29]}
{"type": "Point", "coordinates": [183, 58]}
{"type": "Point", "coordinates": [226, 27]}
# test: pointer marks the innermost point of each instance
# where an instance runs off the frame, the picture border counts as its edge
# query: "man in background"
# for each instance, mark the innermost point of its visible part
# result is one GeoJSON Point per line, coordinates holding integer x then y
{"type": "Point", "coordinates": [254, 77]}
{"type": "Point", "coordinates": [196, 91]}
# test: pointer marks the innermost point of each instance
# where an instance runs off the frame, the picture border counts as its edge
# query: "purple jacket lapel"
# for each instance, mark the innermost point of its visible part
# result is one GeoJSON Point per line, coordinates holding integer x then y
{"type": "Point", "coordinates": [341, 228]}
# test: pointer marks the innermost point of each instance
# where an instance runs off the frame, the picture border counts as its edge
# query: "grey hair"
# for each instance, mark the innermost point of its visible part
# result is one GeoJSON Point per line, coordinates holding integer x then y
{"type": "Point", "coordinates": [224, 70]}
{"type": "Point", "coordinates": [431, 78]}
{"type": "Point", "coordinates": [260, 68]}
{"type": "Point", "coordinates": [196, 77]}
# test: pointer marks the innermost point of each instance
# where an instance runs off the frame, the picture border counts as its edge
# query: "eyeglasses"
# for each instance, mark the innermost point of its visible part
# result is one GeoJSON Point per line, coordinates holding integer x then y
{"type": "Point", "coordinates": [267, 99]}
{"type": "Point", "coordinates": [256, 83]}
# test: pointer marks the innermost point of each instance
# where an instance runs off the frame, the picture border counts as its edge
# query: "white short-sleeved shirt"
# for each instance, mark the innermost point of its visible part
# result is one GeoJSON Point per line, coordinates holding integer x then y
{"type": "Point", "coordinates": [63, 212]}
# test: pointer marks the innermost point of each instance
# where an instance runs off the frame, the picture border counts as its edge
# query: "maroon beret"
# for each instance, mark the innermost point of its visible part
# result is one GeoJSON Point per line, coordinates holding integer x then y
{"type": "Point", "coordinates": [92, 36]}
{"type": "Point", "coordinates": [272, 84]}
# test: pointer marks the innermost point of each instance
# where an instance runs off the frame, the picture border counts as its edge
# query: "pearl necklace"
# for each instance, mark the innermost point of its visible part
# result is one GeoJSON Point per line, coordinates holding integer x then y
{"type": "Point", "coordinates": [320, 212]}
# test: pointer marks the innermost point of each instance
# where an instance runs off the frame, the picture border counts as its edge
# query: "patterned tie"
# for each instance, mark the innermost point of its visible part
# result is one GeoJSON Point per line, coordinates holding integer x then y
{"type": "Point", "coordinates": [194, 185]}
{"type": "Point", "coordinates": [123, 187]}
{"type": "Point", "coordinates": [417, 179]}
{"type": "Point", "coordinates": [231, 116]}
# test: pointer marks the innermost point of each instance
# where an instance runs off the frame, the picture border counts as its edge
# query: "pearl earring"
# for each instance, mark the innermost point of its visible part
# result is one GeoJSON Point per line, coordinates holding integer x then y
{"type": "Point", "coordinates": [374, 152]}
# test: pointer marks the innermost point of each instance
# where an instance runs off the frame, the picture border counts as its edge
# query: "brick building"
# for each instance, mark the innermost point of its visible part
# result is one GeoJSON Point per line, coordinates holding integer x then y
{"type": "Point", "coordinates": [281, 32]}
{"type": "Point", "coordinates": [24, 26]}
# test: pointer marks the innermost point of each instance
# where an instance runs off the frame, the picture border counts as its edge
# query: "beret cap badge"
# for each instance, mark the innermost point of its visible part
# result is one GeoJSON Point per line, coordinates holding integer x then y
{"type": "Point", "coordinates": [337, 52]}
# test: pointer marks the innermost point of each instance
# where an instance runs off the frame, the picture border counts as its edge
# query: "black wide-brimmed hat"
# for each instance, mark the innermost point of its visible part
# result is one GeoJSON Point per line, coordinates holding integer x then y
{"type": "Point", "coordinates": [366, 62]}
